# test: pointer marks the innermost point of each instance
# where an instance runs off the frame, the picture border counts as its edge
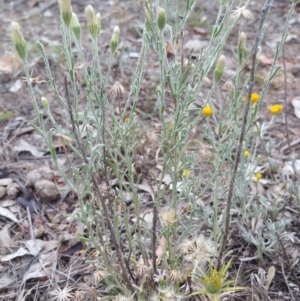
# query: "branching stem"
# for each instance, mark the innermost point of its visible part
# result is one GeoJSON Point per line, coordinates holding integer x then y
{"type": "Point", "coordinates": [97, 189]}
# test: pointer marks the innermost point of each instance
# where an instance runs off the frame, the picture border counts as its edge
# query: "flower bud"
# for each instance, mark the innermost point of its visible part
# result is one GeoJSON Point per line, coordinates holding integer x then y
{"type": "Point", "coordinates": [66, 11]}
{"type": "Point", "coordinates": [241, 46]}
{"type": "Point", "coordinates": [18, 39]}
{"type": "Point", "coordinates": [75, 25]}
{"type": "Point", "coordinates": [98, 20]}
{"type": "Point", "coordinates": [161, 18]}
{"type": "Point", "coordinates": [115, 39]}
{"type": "Point", "coordinates": [45, 103]}
{"type": "Point", "coordinates": [148, 19]}
{"type": "Point", "coordinates": [218, 73]}
{"type": "Point", "coordinates": [93, 21]}
{"type": "Point", "coordinates": [258, 53]}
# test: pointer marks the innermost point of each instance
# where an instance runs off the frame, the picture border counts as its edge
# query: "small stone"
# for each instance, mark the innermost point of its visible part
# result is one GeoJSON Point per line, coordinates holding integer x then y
{"type": "Point", "coordinates": [47, 190]}
{"type": "Point", "coordinates": [6, 181]}
{"type": "Point", "coordinates": [42, 173]}
{"type": "Point", "coordinates": [32, 177]}
{"type": "Point", "coordinates": [2, 192]}
{"type": "Point", "coordinates": [46, 173]}
{"type": "Point", "coordinates": [12, 190]}
{"type": "Point", "coordinates": [296, 70]}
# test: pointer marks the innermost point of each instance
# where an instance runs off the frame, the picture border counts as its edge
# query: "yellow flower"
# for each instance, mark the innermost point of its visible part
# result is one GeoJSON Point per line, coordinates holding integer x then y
{"type": "Point", "coordinates": [186, 173]}
{"type": "Point", "coordinates": [254, 98]}
{"type": "Point", "coordinates": [258, 176]}
{"type": "Point", "coordinates": [246, 154]}
{"type": "Point", "coordinates": [276, 109]}
{"type": "Point", "coordinates": [207, 111]}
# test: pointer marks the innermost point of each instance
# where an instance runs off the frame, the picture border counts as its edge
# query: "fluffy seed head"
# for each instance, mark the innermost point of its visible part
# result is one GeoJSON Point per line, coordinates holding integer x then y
{"type": "Point", "coordinates": [242, 12]}
{"type": "Point", "coordinates": [117, 90]}
{"type": "Point", "coordinates": [197, 250]}
{"type": "Point", "coordinates": [175, 277]}
{"type": "Point", "coordinates": [168, 216]}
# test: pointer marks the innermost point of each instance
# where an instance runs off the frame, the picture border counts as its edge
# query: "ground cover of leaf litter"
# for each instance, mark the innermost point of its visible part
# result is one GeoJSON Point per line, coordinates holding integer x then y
{"type": "Point", "coordinates": [45, 235]}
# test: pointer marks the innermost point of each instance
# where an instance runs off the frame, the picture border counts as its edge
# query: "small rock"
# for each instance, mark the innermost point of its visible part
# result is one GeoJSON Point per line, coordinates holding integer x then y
{"type": "Point", "coordinates": [6, 181]}
{"type": "Point", "coordinates": [2, 192]}
{"type": "Point", "coordinates": [47, 173]}
{"type": "Point", "coordinates": [296, 70]}
{"type": "Point", "coordinates": [12, 190]}
{"type": "Point", "coordinates": [32, 177]}
{"type": "Point", "coordinates": [47, 190]}
{"type": "Point", "coordinates": [42, 173]}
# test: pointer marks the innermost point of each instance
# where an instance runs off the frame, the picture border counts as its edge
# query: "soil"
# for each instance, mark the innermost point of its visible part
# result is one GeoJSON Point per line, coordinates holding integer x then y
{"type": "Point", "coordinates": [22, 150]}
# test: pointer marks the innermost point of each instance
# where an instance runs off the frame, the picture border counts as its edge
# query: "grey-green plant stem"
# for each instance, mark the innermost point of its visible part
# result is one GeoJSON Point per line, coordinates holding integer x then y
{"type": "Point", "coordinates": [265, 10]}
{"type": "Point", "coordinates": [161, 99]}
{"type": "Point", "coordinates": [278, 50]}
{"type": "Point", "coordinates": [285, 103]}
